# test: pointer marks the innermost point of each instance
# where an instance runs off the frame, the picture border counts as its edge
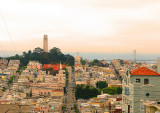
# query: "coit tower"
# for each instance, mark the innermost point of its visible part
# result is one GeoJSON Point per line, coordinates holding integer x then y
{"type": "Point", "coordinates": [45, 43]}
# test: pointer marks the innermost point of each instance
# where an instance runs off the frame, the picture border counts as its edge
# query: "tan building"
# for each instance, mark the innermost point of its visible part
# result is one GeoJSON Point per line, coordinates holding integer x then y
{"type": "Point", "coordinates": [34, 64]}
{"type": "Point", "coordinates": [99, 102]}
{"type": "Point", "coordinates": [15, 108]}
{"type": "Point", "coordinates": [31, 77]}
{"type": "Point", "coordinates": [44, 89]}
{"type": "Point", "coordinates": [13, 69]}
{"type": "Point", "coordinates": [57, 93]}
{"type": "Point", "coordinates": [45, 43]}
{"type": "Point", "coordinates": [77, 64]}
{"type": "Point", "coordinates": [79, 82]}
{"type": "Point", "coordinates": [3, 64]}
{"type": "Point", "coordinates": [61, 77]}
{"type": "Point", "coordinates": [22, 95]}
{"type": "Point", "coordinates": [151, 106]}
{"type": "Point", "coordinates": [9, 108]}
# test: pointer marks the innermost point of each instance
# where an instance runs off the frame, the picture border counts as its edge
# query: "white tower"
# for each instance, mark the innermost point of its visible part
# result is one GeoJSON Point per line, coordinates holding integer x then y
{"type": "Point", "coordinates": [45, 43]}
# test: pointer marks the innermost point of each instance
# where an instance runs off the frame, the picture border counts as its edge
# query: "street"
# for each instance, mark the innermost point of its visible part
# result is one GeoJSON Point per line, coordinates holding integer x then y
{"type": "Point", "coordinates": [70, 92]}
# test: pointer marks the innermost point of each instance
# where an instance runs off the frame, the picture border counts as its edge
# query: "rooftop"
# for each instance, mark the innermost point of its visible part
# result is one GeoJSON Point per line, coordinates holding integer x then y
{"type": "Point", "coordinates": [143, 71]}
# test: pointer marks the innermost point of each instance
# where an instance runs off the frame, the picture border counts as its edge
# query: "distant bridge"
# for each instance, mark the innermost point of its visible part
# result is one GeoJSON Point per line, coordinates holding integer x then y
{"type": "Point", "coordinates": [140, 60]}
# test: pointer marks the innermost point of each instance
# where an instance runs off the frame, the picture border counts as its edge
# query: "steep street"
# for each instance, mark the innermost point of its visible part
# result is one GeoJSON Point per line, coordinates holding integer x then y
{"type": "Point", "coordinates": [70, 92]}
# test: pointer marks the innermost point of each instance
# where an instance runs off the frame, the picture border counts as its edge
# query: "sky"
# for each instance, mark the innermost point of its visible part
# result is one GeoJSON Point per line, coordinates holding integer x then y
{"type": "Point", "coordinates": [85, 26]}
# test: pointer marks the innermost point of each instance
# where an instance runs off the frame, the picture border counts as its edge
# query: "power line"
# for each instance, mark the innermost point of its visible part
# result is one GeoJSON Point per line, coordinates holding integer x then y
{"type": "Point", "coordinates": [5, 23]}
{"type": "Point", "coordinates": [3, 50]}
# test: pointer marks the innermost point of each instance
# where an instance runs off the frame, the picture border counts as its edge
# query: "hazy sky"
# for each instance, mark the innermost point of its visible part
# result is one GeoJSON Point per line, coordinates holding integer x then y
{"type": "Point", "coordinates": [109, 26]}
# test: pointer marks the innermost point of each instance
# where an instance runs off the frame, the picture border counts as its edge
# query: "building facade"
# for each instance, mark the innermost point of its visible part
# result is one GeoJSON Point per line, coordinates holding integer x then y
{"type": "Point", "coordinates": [139, 85]}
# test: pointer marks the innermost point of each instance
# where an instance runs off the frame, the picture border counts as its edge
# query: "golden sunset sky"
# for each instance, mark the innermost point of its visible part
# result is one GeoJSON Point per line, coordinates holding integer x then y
{"type": "Point", "coordinates": [107, 26]}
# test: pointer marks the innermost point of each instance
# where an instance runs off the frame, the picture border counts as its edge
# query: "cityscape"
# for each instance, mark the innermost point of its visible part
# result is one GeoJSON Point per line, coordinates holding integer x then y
{"type": "Point", "coordinates": [98, 58]}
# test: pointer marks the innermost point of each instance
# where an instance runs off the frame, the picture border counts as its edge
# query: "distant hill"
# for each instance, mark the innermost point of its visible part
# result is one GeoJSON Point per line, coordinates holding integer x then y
{"type": "Point", "coordinates": [52, 57]}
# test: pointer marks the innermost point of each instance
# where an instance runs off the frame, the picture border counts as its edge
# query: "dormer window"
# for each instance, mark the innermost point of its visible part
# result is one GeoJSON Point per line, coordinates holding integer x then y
{"type": "Point", "coordinates": [146, 81]}
{"type": "Point", "coordinates": [138, 80]}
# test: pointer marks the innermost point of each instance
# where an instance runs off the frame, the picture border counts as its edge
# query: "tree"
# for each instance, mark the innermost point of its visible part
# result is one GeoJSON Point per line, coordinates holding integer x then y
{"type": "Point", "coordinates": [83, 61]}
{"type": "Point", "coordinates": [86, 92]}
{"type": "Point", "coordinates": [69, 60]}
{"type": "Point", "coordinates": [110, 90]}
{"type": "Point", "coordinates": [11, 79]}
{"type": "Point", "coordinates": [101, 84]}
{"type": "Point", "coordinates": [16, 56]}
{"type": "Point", "coordinates": [52, 57]}
{"type": "Point", "coordinates": [119, 90]}
{"type": "Point", "coordinates": [94, 62]}
{"type": "Point", "coordinates": [63, 107]}
{"type": "Point", "coordinates": [56, 52]}
{"type": "Point", "coordinates": [121, 61]}
{"type": "Point", "coordinates": [76, 109]}
{"type": "Point", "coordinates": [38, 50]}
{"type": "Point", "coordinates": [3, 89]}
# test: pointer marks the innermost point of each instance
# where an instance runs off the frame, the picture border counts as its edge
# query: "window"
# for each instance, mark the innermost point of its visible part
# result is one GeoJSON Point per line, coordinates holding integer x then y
{"type": "Point", "coordinates": [138, 80]}
{"type": "Point", "coordinates": [48, 93]}
{"type": "Point", "coordinates": [147, 94]}
{"type": "Point", "coordinates": [146, 81]}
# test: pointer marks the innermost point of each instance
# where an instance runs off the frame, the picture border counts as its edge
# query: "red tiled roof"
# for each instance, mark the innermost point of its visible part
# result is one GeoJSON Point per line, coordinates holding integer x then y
{"type": "Point", "coordinates": [36, 109]}
{"type": "Point", "coordinates": [127, 62]}
{"type": "Point", "coordinates": [143, 71]}
{"type": "Point", "coordinates": [54, 66]}
{"type": "Point", "coordinates": [4, 101]}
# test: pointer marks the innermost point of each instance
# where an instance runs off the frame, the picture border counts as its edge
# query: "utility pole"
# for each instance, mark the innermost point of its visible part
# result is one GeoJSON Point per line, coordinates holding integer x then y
{"type": "Point", "coordinates": [128, 108]}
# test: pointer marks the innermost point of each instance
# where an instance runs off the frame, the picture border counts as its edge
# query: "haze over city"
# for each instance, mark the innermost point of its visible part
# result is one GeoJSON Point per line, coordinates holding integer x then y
{"type": "Point", "coordinates": [79, 56]}
{"type": "Point", "coordinates": [90, 26]}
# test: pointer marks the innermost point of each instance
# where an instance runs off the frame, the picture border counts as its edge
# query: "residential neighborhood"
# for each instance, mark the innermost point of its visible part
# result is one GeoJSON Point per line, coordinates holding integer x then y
{"type": "Point", "coordinates": [79, 56]}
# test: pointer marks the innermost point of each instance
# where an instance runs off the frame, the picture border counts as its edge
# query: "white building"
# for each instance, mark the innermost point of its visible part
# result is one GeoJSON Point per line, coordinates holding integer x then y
{"type": "Point", "coordinates": [140, 85]}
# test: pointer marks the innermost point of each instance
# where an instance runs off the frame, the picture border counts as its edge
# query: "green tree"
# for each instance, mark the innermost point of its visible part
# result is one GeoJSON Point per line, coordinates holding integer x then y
{"type": "Point", "coordinates": [86, 92]}
{"type": "Point", "coordinates": [38, 50]}
{"type": "Point", "coordinates": [119, 90]}
{"type": "Point", "coordinates": [76, 109]}
{"type": "Point", "coordinates": [3, 89]}
{"type": "Point", "coordinates": [83, 61]}
{"type": "Point", "coordinates": [52, 57]}
{"type": "Point", "coordinates": [11, 79]}
{"type": "Point", "coordinates": [110, 90]}
{"type": "Point", "coordinates": [69, 60]}
{"type": "Point", "coordinates": [94, 62]}
{"type": "Point", "coordinates": [63, 108]}
{"type": "Point", "coordinates": [101, 84]}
